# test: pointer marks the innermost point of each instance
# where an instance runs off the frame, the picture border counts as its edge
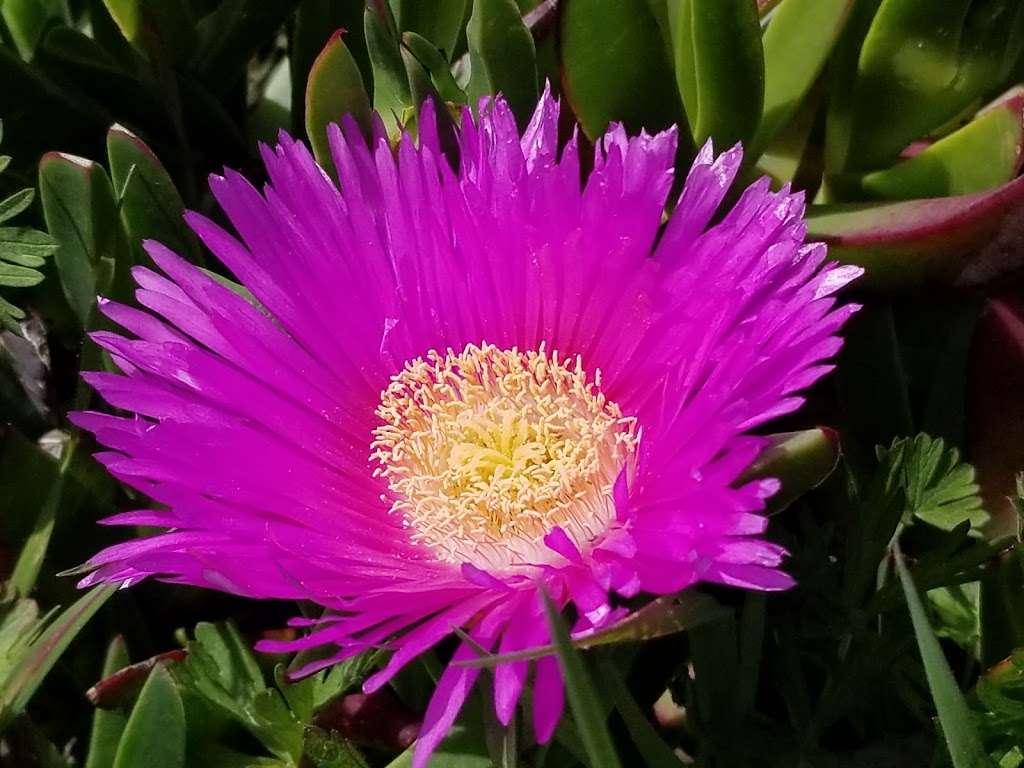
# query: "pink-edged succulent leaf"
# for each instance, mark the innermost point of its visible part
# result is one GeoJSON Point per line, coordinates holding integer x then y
{"type": "Point", "coordinates": [901, 244]}
{"type": "Point", "coordinates": [334, 88]}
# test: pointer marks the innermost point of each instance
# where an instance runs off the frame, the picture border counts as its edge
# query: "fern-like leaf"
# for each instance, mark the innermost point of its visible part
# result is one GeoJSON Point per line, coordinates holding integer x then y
{"type": "Point", "coordinates": [22, 251]}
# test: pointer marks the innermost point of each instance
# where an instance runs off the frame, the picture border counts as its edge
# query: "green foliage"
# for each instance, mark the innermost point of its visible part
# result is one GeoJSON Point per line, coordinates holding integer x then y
{"type": "Point", "coordinates": [724, 38]}
{"type": "Point", "coordinates": [502, 56]}
{"type": "Point", "coordinates": [31, 645]}
{"type": "Point", "coordinates": [335, 88]}
{"type": "Point", "coordinates": [937, 488]}
{"type": "Point", "coordinates": [961, 737]}
{"type": "Point", "coordinates": [900, 122]}
{"type": "Point", "coordinates": [998, 704]}
{"type": "Point", "coordinates": [108, 725]}
{"type": "Point", "coordinates": [616, 68]}
{"type": "Point", "coordinates": [583, 696]}
{"type": "Point", "coordinates": [22, 250]}
{"type": "Point", "coordinates": [155, 732]}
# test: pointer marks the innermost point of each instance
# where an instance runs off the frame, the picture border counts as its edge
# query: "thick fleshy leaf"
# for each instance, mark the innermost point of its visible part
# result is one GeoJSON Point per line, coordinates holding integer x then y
{"type": "Point", "coordinates": [27, 20]}
{"type": "Point", "coordinates": [615, 66]}
{"type": "Point", "coordinates": [108, 724]}
{"type": "Point", "coordinates": [439, 21]}
{"type": "Point", "coordinates": [799, 460]}
{"type": "Point", "coordinates": [150, 205]}
{"type": "Point", "coordinates": [918, 69]}
{"type": "Point", "coordinates": [984, 154]}
{"type": "Point", "coordinates": [315, 22]}
{"type": "Point", "coordinates": [81, 214]}
{"type": "Point", "coordinates": [798, 41]}
{"type": "Point", "coordinates": [502, 56]}
{"type": "Point", "coordinates": [787, 153]}
{"type": "Point", "coordinates": [958, 729]}
{"type": "Point", "coordinates": [584, 702]}
{"type": "Point", "coordinates": [901, 244]}
{"type": "Point", "coordinates": [719, 66]}
{"type": "Point", "coordinates": [423, 87]}
{"type": "Point", "coordinates": [436, 66]}
{"type": "Point", "coordinates": [154, 735]}
{"type": "Point", "coordinates": [391, 94]}
{"type": "Point", "coordinates": [335, 88]}
{"type": "Point", "coordinates": [148, 24]}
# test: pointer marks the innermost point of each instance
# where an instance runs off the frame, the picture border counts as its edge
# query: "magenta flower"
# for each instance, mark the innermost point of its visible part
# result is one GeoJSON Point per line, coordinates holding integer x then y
{"type": "Point", "coordinates": [461, 387]}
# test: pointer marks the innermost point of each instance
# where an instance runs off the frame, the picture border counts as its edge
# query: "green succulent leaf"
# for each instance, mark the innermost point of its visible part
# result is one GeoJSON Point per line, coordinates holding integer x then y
{"type": "Point", "coordinates": [798, 41]}
{"type": "Point", "coordinates": [157, 27]}
{"type": "Point", "coordinates": [33, 552]}
{"type": "Point", "coordinates": [461, 748]}
{"type": "Point", "coordinates": [799, 460]}
{"type": "Point", "coordinates": [315, 22]}
{"type": "Point", "coordinates": [391, 95]}
{"type": "Point", "coordinates": [81, 214]}
{"type": "Point", "coordinates": [335, 88]}
{"type": "Point", "coordinates": [917, 70]}
{"type": "Point", "coordinates": [439, 21]}
{"type": "Point", "coordinates": [984, 154]}
{"type": "Point", "coordinates": [1002, 607]}
{"type": "Point", "coordinates": [434, 63]}
{"type": "Point", "coordinates": [27, 21]}
{"type": "Point", "coordinates": [720, 67]}
{"type": "Point", "coordinates": [502, 56]}
{"type": "Point", "coordinates": [108, 724]}
{"type": "Point", "coordinates": [150, 205]}
{"type": "Point", "coordinates": [155, 732]}
{"type": "Point", "coordinates": [616, 68]}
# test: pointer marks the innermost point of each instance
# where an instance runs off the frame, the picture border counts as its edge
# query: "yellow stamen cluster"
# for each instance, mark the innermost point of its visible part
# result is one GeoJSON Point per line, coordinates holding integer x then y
{"type": "Point", "coordinates": [486, 450]}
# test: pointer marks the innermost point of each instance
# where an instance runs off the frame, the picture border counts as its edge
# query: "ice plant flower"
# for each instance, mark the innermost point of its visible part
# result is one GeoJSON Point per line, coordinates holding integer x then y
{"type": "Point", "coordinates": [452, 388]}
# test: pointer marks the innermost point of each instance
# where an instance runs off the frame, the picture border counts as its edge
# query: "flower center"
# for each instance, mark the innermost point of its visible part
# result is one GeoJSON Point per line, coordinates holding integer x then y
{"type": "Point", "coordinates": [486, 450]}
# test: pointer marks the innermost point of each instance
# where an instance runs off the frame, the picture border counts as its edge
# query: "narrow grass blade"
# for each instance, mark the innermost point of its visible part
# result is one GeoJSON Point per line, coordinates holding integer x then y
{"type": "Point", "coordinates": [583, 698]}
{"type": "Point", "coordinates": [655, 752]}
{"type": "Point", "coordinates": [44, 652]}
{"type": "Point", "coordinates": [963, 741]}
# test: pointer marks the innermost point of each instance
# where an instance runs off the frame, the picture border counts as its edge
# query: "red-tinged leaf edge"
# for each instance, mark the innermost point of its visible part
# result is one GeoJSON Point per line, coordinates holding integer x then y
{"type": "Point", "coordinates": [953, 240]}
